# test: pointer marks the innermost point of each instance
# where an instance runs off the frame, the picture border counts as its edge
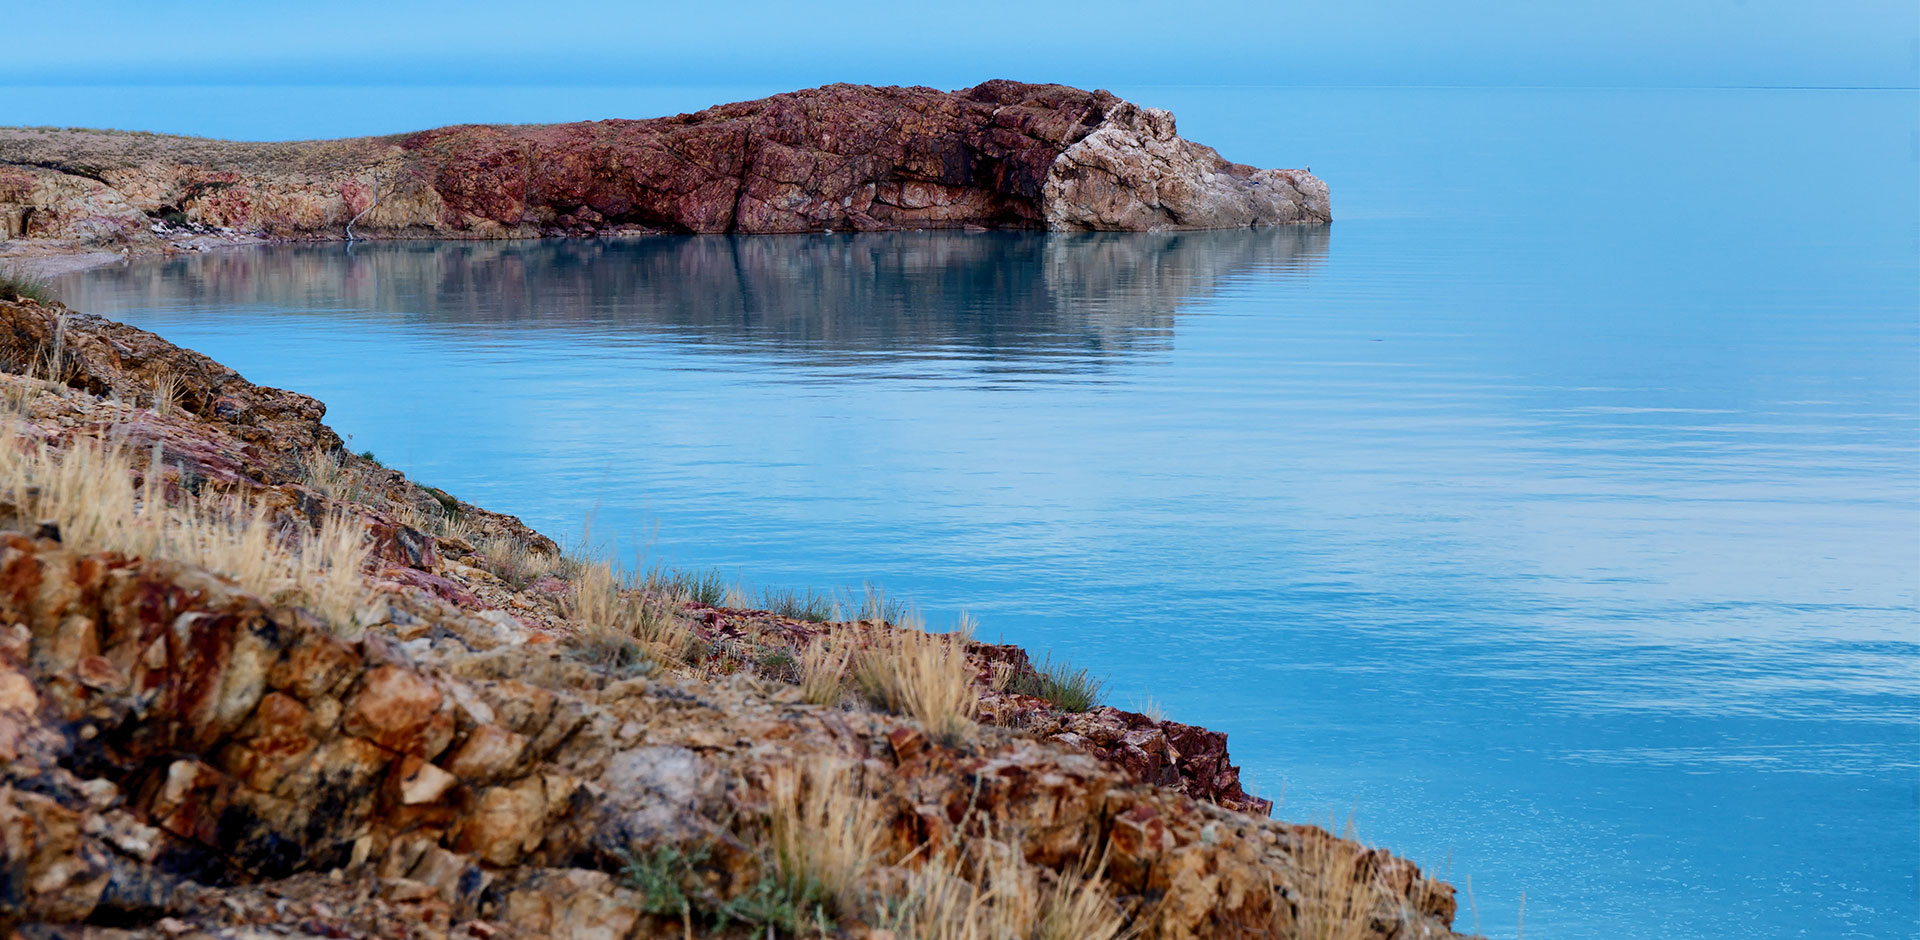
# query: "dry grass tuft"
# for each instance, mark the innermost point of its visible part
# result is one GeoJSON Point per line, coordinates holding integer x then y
{"type": "Point", "coordinates": [1153, 711]}
{"type": "Point", "coordinates": [514, 562]}
{"type": "Point", "coordinates": [924, 675]}
{"type": "Point", "coordinates": [823, 667]}
{"type": "Point", "coordinates": [332, 478]}
{"type": "Point", "coordinates": [1338, 888]}
{"type": "Point", "coordinates": [622, 624]}
{"type": "Point", "coordinates": [166, 394]}
{"type": "Point", "coordinates": [990, 892]}
{"type": "Point", "coordinates": [1080, 907]}
{"type": "Point", "coordinates": [826, 831]}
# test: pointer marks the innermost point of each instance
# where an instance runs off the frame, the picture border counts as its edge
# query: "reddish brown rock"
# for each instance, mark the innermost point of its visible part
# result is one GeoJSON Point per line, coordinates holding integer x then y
{"type": "Point", "coordinates": [1001, 154]}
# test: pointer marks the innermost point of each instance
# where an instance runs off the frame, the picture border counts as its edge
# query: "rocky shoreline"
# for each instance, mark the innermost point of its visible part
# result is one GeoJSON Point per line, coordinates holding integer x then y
{"type": "Point", "coordinates": [431, 722]}
{"type": "Point", "coordinates": [832, 159]}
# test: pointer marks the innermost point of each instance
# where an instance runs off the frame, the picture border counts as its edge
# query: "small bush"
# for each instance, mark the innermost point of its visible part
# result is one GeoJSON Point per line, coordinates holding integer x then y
{"type": "Point", "coordinates": [333, 478]}
{"type": "Point", "coordinates": [815, 606]}
{"type": "Point", "coordinates": [706, 587]}
{"type": "Point", "coordinates": [1070, 689]}
{"type": "Point", "coordinates": [17, 285]}
{"type": "Point", "coordinates": [515, 562]}
{"type": "Point", "coordinates": [660, 877]}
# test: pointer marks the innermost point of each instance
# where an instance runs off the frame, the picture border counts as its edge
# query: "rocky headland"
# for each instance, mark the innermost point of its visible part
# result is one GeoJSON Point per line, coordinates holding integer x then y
{"type": "Point", "coordinates": [253, 685]}
{"type": "Point", "coordinates": [838, 158]}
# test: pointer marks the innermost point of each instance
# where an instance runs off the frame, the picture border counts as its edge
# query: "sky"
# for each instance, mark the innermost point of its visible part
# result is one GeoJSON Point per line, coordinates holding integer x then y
{"type": "Point", "coordinates": [1846, 43]}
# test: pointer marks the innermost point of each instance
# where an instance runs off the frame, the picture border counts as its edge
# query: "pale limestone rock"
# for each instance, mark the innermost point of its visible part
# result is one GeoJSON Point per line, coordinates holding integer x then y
{"type": "Point", "coordinates": [1135, 173]}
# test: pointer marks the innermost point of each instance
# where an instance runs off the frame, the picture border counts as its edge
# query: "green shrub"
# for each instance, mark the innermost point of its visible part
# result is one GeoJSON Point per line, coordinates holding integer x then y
{"type": "Point", "coordinates": [1071, 689]}
{"type": "Point", "coordinates": [18, 285]}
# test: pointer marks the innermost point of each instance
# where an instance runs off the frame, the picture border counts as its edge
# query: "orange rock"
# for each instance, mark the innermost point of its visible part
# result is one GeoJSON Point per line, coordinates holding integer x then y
{"type": "Point", "coordinates": [400, 711]}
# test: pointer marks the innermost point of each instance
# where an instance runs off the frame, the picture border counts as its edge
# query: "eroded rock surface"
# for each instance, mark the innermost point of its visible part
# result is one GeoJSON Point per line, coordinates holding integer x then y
{"type": "Point", "coordinates": [842, 157]}
{"type": "Point", "coordinates": [180, 758]}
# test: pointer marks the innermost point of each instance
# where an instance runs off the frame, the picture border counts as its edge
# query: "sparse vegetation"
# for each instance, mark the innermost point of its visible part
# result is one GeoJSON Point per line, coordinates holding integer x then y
{"type": "Point", "coordinates": [660, 876]}
{"type": "Point", "coordinates": [925, 675]}
{"type": "Point", "coordinates": [515, 562]}
{"type": "Point", "coordinates": [1338, 890]}
{"type": "Point", "coordinates": [166, 393]}
{"type": "Point", "coordinates": [823, 668]}
{"type": "Point", "coordinates": [624, 625]}
{"type": "Point", "coordinates": [1068, 688]}
{"type": "Point", "coordinates": [1151, 709]}
{"type": "Point", "coordinates": [88, 492]}
{"type": "Point", "coordinates": [990, 892]}
{"type": "Point", "coordinates": [877, 607]}
{"type": "Point", "coordinates": [18, 285]}
{"type": "Point", "coordinates": [331, 477]}
{"type": "Point", "coordinates": [814, 606]}
{"type": "Point", "coordinates": [706, 587]}
{"type": "Point", "coordinates": [825, 830]}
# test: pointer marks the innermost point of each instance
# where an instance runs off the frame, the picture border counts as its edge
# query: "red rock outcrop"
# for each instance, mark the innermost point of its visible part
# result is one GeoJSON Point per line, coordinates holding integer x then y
{"type": "Point", "coordinates": [842, 157]}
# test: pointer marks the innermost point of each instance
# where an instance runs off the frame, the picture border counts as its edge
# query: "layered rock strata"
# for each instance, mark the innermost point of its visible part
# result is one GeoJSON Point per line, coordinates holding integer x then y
{"type": "Point", "coordinates": [182, 758]}
{"type": "Point", "coordinates": [842, 157]}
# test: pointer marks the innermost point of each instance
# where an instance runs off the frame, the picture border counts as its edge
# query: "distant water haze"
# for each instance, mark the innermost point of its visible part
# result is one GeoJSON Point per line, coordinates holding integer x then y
{"type": "Point", "coordinates": [1553, 512]}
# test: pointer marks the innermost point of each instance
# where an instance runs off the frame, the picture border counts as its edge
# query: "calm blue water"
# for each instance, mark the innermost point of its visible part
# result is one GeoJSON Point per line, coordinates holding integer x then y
{"type": "Point", "coordinates": [1556, 512]}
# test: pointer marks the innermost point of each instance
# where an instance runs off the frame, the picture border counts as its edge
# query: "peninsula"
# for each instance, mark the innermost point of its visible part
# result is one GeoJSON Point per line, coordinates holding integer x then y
{"type": "Point", "coordinates": [838, 158]}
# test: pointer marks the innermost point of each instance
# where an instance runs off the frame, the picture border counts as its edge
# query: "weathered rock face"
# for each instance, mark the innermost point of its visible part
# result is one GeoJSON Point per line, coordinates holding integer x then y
{"type": "Point", "coordinates": [1134, 173]}
{"type": "Point", "coordinates": [999, 155]}
{"type": "Point", "coordinates": [181, 758]}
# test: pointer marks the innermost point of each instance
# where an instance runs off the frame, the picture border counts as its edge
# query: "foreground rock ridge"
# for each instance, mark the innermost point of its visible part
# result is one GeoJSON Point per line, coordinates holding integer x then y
{"type": "Point", "coordinates": [461, 748]}
{"type": "Point", "coordinates": [838, 158]}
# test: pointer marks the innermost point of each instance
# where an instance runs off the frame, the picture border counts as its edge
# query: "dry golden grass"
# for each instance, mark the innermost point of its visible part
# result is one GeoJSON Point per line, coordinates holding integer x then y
{"type": "Point", "coordinates": [989, 892]}
{"type": "Point", "coordinates": [513, 561]}
{"type": "Point", "coordinates": [166, 394]}
{"type": "Point", "coordinates": [925, 675]}
{"type": "Point", "coordinates": [826, 831]}
{"type": "Point", "coordinates": [620, 620]}
{"type": "Point", "coordinates": [332, 478]}
{"type": "Point", "coordinates": [1338, 890]}
{"type": "Point", "coordinates": [823, 668]}
{"type": "Point", "coordinates": [1080, 907]}
{"type": "Point", "coordinates": [1151, 709]}
{"type": "Point", "coordinates": [335, 555]}
{"type": "Point", "coordinates": [87, 489]}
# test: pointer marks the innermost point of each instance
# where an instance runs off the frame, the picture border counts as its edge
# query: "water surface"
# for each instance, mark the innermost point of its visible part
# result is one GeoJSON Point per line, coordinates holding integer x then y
{"type": "Point", "coordinates": [1556, 512]}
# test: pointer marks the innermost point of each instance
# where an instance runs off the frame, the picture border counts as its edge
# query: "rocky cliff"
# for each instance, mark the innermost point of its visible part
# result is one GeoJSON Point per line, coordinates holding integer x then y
{"type": "Point", "coordinates": [432, 723]}
{"type": "Point", "coordinates": [842, 157]}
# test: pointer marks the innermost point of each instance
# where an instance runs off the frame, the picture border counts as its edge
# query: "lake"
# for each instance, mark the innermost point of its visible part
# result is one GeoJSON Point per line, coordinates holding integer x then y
{"type": "Point", "coordinates": [1555, 513]}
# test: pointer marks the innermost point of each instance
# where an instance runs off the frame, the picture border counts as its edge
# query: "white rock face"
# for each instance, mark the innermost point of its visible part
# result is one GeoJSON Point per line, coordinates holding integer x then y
{"type": "Point", "coordinates": [1135, 173]}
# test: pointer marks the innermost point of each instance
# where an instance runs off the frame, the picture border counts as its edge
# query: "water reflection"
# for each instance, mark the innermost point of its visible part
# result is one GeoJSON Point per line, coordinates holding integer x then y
{"type": "Point", "coordinates": [1050, 299]}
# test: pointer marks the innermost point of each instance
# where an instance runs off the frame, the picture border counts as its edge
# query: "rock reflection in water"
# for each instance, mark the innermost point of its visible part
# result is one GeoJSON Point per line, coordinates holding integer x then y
{"type": "Point", "coordinates": [995, 295]}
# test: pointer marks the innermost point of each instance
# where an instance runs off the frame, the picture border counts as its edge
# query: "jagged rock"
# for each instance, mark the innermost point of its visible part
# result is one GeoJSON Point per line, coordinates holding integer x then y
{"type": "Point", "coordinates": [841, 157]}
